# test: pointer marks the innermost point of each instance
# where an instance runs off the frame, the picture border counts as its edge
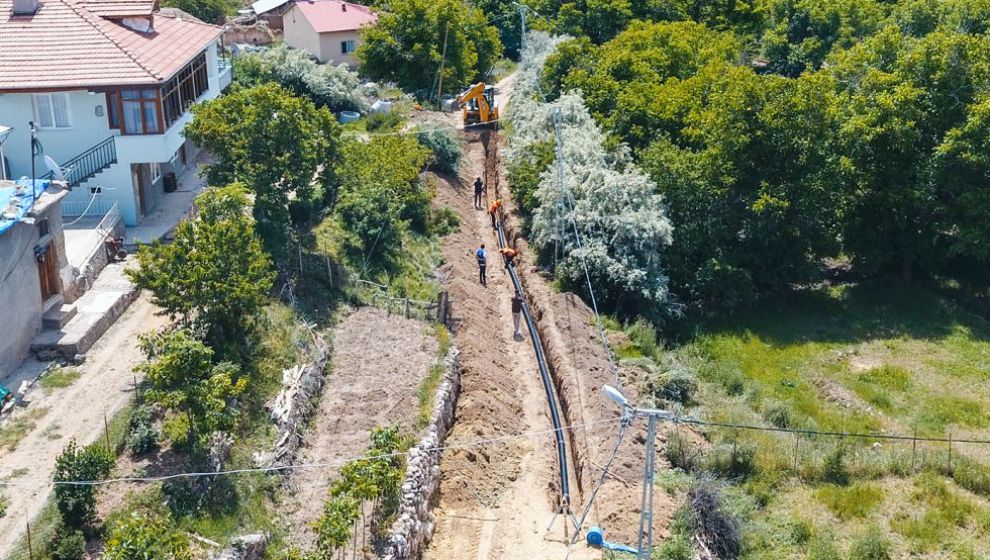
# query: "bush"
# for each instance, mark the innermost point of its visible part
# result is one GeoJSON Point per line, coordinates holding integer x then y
{"type": "Point", "coordinates": [823, 548]}
{"type": "Point", "coordinates": [445, 146]}
{"type": "Point", "coordinates": [801, 531]}
{"type": "Point", "coordinates": [732, 461]}
{"type": "Point", "coordinates": [643, 334]}
{"type": "Point", "coordinates": [175, 429]}
{"type": "Point", "coordinates": [142, 437]}
{"type": "Point", "coordinates": [834, 469]}
{"type": "Point", "coordinates": [139, 536]}
{"type": "Point", "coordinates": [444, 221]}
{"type": "Point", "coordinates": [870, 546]}
{"type": "Point", "coordinates": [77, 503]}
{"type": "Point", "coordinates": [67, 545]}
{"type": "Point", "coordinates": [334, 87]}
{"type": "Point", "coordinates": [384, 122]}
{"type": "Point", "coordinates": [677, 386]}
{"type": "Point", "coordinates": [677, 547]}
{"type": "Point", "coordinates": [779, 415]}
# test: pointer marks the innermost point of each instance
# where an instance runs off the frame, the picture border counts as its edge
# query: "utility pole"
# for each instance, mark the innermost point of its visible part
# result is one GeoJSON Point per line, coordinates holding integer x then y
{"type": "Point", "coordinates": [443, 60]}
{"type": "Point", "coordinates": [522, 26]}
{"type": "Point", "coordinates": [629, 412]}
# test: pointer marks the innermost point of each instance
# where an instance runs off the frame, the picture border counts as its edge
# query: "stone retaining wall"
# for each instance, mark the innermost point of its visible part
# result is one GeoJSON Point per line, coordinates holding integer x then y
{"type": "Point", "coordinates": [415, 523]}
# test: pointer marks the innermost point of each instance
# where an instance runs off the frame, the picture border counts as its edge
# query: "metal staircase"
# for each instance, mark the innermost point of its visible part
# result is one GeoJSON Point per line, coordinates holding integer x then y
{"type": "Point", "coordinates": [88, 164]}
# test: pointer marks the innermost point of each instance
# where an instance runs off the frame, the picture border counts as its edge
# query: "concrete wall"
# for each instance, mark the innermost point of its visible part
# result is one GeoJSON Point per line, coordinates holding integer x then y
{"type": "Point", "coordinates": [16, 109]}
{"type": "Point", "coordinates": [20, 292]}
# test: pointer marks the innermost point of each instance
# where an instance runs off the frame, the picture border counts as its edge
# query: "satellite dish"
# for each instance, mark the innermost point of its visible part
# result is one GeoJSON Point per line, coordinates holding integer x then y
{"type": "Point", "coordinates": [54, 168]}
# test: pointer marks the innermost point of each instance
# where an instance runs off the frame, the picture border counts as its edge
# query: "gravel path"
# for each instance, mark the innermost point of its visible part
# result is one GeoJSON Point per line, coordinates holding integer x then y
{"type": "Point", "coordinates": [106, 386]}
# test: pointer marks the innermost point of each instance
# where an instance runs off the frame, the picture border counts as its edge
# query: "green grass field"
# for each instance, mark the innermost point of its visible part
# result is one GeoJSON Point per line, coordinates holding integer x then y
{"type": "Point", "coordinates": [855, 358]}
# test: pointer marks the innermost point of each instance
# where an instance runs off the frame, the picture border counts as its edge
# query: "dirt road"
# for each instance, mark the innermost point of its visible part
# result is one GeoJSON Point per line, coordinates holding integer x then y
{"type": "Point", "coordinates": [379, 360]}
{"type": "Point", "coordinates": [495, 501]}
{"type": "Point", "coordinates": [106, 386]}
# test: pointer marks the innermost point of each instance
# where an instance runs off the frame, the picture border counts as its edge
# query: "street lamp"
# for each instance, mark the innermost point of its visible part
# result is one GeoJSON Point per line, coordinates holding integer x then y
{"type": "Point", "coordinates": [4, 133]}
{"type": "Point", "coordinates": [646, 509]}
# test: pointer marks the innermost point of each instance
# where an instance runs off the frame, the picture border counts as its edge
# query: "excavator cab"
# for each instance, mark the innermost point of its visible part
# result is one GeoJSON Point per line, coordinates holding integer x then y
{"type": "Point", "coordinates": [478, 104]}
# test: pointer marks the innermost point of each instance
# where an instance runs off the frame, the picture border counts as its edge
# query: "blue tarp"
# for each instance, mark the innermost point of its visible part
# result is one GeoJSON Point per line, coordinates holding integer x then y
{"type": "Point", "coordinates": [16, 201]}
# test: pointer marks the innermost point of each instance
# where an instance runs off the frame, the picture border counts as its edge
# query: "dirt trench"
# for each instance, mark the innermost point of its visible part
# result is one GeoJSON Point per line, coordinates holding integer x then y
{"type": "Point", "coordinates": [482, 500]}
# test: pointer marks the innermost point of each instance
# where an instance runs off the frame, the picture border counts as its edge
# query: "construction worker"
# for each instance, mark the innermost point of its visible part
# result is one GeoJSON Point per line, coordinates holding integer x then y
{"type": "Point", "coordinates": [493, 211]}
{"type": "Point", "coordinates": [516, 311]}
{"type": "Point", "coordinates": [482, 256]}
{"type": "Point", "coordinates": [479, 191]}
{"type": "Point", "coordinates": [509, 254]}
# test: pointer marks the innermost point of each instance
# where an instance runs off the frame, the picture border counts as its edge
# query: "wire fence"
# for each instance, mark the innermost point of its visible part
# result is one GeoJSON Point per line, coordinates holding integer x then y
{"type": "Point", "coordinates": [742, 450]}
{"type": "Point", "coordinates": [317, 272]}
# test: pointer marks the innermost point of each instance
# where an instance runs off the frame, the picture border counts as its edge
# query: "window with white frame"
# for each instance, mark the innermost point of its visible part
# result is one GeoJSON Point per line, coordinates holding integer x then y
{"type": "Point", "coordinates": [347, 47]}
{"type": "Point", "coordinates": [51, 110]}
{"type": "Point", "coordinates": [156, 172]}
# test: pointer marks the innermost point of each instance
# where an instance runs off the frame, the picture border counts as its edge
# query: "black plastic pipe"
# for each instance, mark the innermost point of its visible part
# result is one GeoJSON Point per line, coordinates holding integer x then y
{"type": "Point", "coordinates": [548, 387]}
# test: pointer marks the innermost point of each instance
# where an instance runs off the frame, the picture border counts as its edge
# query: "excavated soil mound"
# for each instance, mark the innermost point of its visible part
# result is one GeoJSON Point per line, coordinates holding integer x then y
{"type": "Point", "coordinates": [489, 404]}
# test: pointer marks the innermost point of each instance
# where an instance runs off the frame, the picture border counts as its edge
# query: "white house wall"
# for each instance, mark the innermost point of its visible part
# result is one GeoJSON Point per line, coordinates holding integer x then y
{"type": "Point", "coordinates": [16, 109]}
{"type": "Point", "coordinates": [300, 34]}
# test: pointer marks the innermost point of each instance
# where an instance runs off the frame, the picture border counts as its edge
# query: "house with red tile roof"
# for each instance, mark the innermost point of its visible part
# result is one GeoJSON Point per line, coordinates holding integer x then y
{"type": "Point", "coordinates": [330, 30]}
{"type": "Point", "coordinates": [107, 85]}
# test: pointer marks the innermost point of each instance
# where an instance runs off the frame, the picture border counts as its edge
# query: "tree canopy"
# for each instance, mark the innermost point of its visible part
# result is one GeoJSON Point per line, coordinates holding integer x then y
{"type": "Point", "coordinates": [214, 276]}
{"type": "Point", "coordinates": [855, 135]}
{"type": "Point", "coordinates": [281, 146]}
{"type": "Point", "coordinates": [406, 46]}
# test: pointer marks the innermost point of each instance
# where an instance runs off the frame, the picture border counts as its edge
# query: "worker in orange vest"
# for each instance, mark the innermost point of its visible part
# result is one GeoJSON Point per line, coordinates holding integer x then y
{"type": "Point", "coordinates": [509, 254]}
{"type": "Point", "coordinates": [493, 211]}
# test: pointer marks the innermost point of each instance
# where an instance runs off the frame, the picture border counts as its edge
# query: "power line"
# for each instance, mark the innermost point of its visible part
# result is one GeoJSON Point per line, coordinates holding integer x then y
{"type": "Point", "coordinates": [411, 131]}
{"type": "Point", "coordinates": [301, 466]}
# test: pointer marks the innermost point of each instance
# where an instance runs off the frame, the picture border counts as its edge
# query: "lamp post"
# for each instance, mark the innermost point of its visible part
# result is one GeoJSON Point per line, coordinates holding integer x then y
{"type": "Point", "coordinates": [652, 415]}
{"type": "Point", "coordinates": [4, 133]}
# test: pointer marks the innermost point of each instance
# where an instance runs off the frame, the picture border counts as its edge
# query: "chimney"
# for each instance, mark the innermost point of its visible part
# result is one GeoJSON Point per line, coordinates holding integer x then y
{"type": "Point", "coordinates": [25, 7]}
{"type": "Point", "coordinates": [343, 6]}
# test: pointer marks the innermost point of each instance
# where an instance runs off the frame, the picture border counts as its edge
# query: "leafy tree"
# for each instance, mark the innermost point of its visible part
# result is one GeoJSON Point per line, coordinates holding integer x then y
{"type": "Point", "coordinates": [380, 194]}
{"type": "Point", "coordinates": [333, 530]}
{"type": "Point", "coordinates": [900, 98]}
{"type": "Point", "coordinates": [406, 46]}
{"type": "Point", "coordinates": [215, 275]}
{"type": "Point", "coordinates": [138, 537]}
{"type": "Point", "coordinates": [622, 223]}
{"type": "Point", "coordinates": [799, 34]}
{"type": "Point", "coordinates": [77, 503]}
{"type": "Point", "coordinates": [504, 14]}
{"type": "Point", "coordinates": [334, 87]}
{"type": "Point", "coordinates": [751, 170]}
{"type": "Point", "coordinates": [281, 146]}
{"type": "Point", "coordinates": [183, 378]}
{"type": "Point", "coordinates": [210, 11]}
{"type": "Point", "coordinates": [623, 82]}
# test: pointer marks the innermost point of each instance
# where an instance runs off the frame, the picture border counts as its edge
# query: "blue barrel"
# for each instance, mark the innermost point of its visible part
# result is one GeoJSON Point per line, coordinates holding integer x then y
{"type": "Point", "coordinates": [349, 116]}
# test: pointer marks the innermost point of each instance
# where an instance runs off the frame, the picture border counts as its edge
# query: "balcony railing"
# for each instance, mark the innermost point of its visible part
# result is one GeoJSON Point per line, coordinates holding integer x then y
{"type": "Point", "coordinates": [88, 164]}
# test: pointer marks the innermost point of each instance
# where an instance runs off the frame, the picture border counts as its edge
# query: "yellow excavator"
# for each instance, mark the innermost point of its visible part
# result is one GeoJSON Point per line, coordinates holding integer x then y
{"type": "Point", "coordinates": [479, 105]}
